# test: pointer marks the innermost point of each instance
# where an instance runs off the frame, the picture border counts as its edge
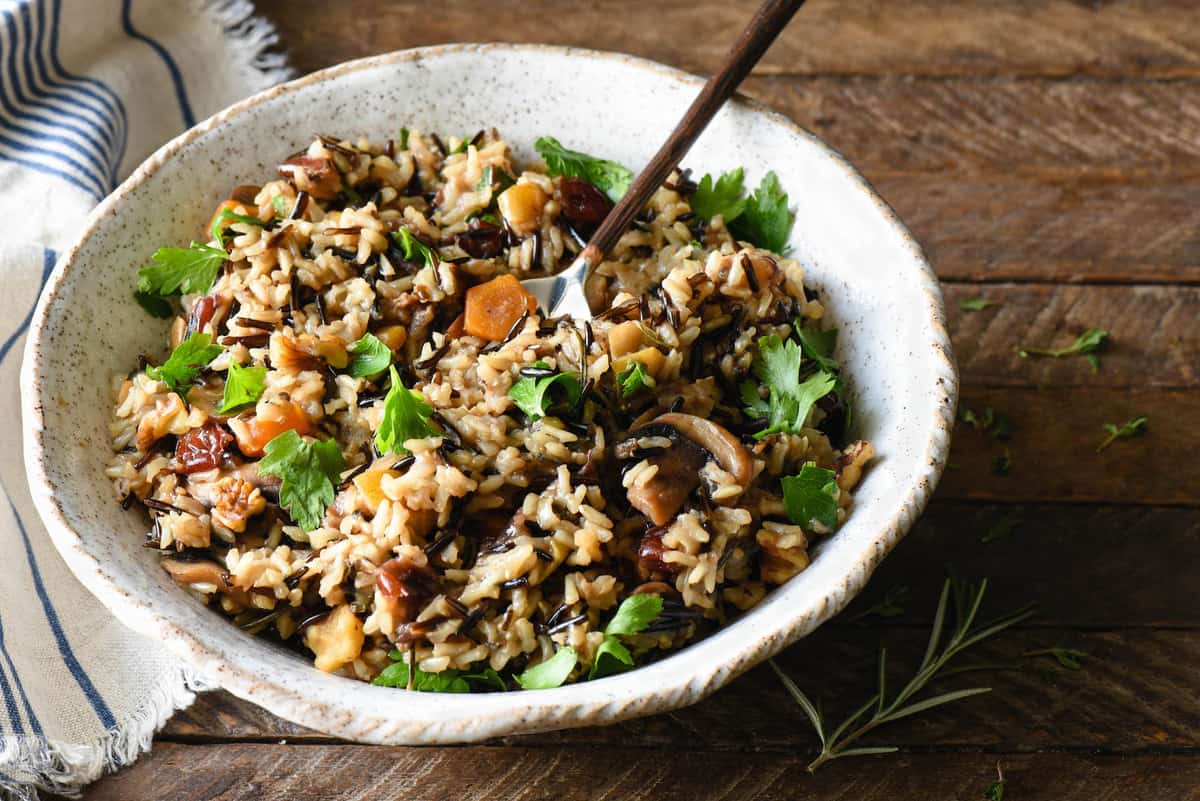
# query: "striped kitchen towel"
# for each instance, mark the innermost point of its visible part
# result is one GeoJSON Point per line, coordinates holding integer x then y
{"type": "Point", "coordinates": [88, 89]}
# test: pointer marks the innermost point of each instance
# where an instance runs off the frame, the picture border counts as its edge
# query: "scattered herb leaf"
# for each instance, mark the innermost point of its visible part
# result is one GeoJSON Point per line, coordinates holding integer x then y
{"type": "Point", "coordinates": [405, 416]}
{"type": "Point", "coordinates": [229, 215]}
{"type": "Point", "coordinates": [1001, 530]}
{"type": "Point", "coordinates": [996, 425]}
{"type": "Point", "coordinates": [280, 204]}
{"type": "Point", "coordinates": [633, 616]}
{"type": "Point", "coordinates": [309, 471]}
{"type": "Point", "coordinates": [633, 378]}
{"type": "Point", "coordinates": [890, 605]}
{"type": "Point", "coordinates": [413, 248]}
{"type": "Point", "coordinates": [1088, 344]}
{"type": "Point", "coordinates": [975, 304]}
{"type": "Point", "coordinates": [533, 396]}
{"type": "Point", "coordinates": [243, 386]}
{"type": "Point", "coordinates": [496, 178]}
{"type": "Point", "coordinates": [550, 673]}
{"type": "Point", "coordinates": [995, 790]}
{"type": "Point", "coordinates": [185, 363]}
{"type": "Point", "coordinates": [368, 357]}
{"type": "Point", "coordinates": [879, 710]}
{"type": "Point", "coordinates": [766, 220]}
{"type": "Point", "coordinates": [608, 176]}
{"type": "Point", "coordinates": [1002, 464]}
{"type": "Point", "coordinates": [176, 270]}
{"type": "Point", "coordinates": [1130, 428]}
{"type": "Point", "coordinates": [1070, 658]}
{"type": "Point", "coordinates": [810, 496]}
{"type": "Point", "coordinates": [724, 196]}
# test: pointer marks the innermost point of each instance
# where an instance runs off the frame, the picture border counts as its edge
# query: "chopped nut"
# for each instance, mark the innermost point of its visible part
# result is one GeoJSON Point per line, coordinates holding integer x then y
{"type": "Point", "coordinates": [235, 502]}
{"type": "Point", "coordinates": [785, 551]}
{"type": "Point", "coordinates": [851, 463]}
{"type": "Point", "coordinates": [336, 640]}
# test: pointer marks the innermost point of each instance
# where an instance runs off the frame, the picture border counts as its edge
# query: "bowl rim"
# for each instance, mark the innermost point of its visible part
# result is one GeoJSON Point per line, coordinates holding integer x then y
{"type": "Point", "coordinates": [609, 700]}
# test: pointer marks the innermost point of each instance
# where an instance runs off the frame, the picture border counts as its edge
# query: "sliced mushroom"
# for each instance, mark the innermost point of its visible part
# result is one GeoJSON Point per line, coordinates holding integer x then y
{"type": "Point", "coordinates": [693, 442]}
{"type": "Point", "coordinates": [203, 571]}
{"type": "Point", "coordinates": [317, 176]}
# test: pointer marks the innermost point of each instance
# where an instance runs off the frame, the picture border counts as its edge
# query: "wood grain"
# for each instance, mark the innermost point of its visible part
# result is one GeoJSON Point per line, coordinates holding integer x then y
{"type": "Point", "coordinates": [363, 773]}
{"type": "Point", "coordinates": [926, 37]}
{"type": "Point", "coordinates": [1154, 342]}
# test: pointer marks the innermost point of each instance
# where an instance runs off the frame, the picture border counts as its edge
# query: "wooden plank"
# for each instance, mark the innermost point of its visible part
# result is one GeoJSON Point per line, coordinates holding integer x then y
{"type": "Point", "coordinates": [363, 773]}
{"type": "Point", "coordinates": [1053, 448]}
{"type": "Point", "coordinates": [1154, 342]}
{"type": "Point", "coordinates": [1032, 127]}
{"type": "Point", "coordinates": [1051, 37]}
{"type": "Point", "coordinates": [1136, 692]}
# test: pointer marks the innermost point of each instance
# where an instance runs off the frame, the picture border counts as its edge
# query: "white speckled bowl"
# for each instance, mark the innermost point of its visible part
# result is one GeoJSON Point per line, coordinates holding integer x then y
{"type": "Point", "coordinates": [879, 289]}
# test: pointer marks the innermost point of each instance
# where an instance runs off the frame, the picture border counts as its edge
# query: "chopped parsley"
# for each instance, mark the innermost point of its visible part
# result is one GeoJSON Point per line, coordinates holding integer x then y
{"type": "Point", "coordinates": [607, 176]}
{"type": "Point", "coordinates": [633, 616]}
{"type": "Point", "coordinates": [405, 416]}
{"type": "Point", "coordinates": [996, 425]}
{"type": "Point", "coordinates": [995, 790]}
{"type": "Point", "coordinates": [811, 496]}
{"type": "Point", "coordinates": [229, 215]}
{"type": "Point", "coordinates": [404, 139]}
{"type": "Point", "coordinates": [1002, 464]}
{"type": "Point", "coordinates": [413, 248]}
{"type": "Point", "coordinates": [533, 396]}
{"type": "Point", "coordinates": [1088, 344]}
{"type": "Point", "coordinates": [724, 196]}
{"type": "Point", "coordinates": [243, 386]}
{"type": "Point", "coordinates": [633, 378]}
{"type": "Point", "coordinates": [309, 472]}
{"type": "Point", "coordinates": [178, 270]}
{"type": "Point", "coordinates": [368, 357]}
{"type": "Point", "coordinates": [280, 204]}
{"type": "Point", "coordinates": [550, 673]}
{"type": "Point", "coordinates": [1130, 428]}
{"type": "Point", "coordinates": [185, 363]}
{"type": "Point", "coordinates": [446, 681]}
{"type": "Point", "coordinates": [497, 179]}
{"type": "Point", "coordinates": [790, 399]}
{"type": "Point", "coordinates": [763, 219]}
{"type": "Point", "coordinates": [766, 221]}
{"type": "Point", "coordinates": [1001, 530]}
{"type": "Point", "coordinates": [975, 304]}
{"type": "Point", "coordinates": [818, 345]}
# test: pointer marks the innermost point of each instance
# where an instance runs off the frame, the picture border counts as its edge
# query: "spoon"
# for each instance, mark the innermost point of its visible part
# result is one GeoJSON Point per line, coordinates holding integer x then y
{"type": "Point", "coordinates": [563, 294]}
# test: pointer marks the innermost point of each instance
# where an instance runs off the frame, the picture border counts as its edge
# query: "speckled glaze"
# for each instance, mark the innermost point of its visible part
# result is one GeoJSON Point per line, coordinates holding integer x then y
{"type": "Point", "coordinates": [880, 292]}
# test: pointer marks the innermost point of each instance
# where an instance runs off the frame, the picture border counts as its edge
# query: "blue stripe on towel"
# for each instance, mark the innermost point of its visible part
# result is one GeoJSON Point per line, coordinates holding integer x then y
{"type": "Point", "coordinates": [100, 167]}
{"type": "Point", "coordinates": [83, 97]}
{"type": "Point", "coordinates": [34, 723]}
{"type": "Point", "coordinates": [48, 259]}
{"type": "Point", "coordinates": [10, 701]}
{"type": "Point", "coordinates": [57, 173]}
{"type": "Point", "coordinates": [64, 647]}
{"type": "Point", "coordinates": [89, 183]}
{"type": "Point", "coordinates": [185, 108]}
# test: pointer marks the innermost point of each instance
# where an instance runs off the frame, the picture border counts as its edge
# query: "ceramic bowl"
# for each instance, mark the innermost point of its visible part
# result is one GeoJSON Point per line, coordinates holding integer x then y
{"type": "Point", "coordinates": [880, 292]}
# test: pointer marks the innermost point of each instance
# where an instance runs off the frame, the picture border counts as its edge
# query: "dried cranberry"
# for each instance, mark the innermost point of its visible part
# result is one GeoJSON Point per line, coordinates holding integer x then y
{"type": "Point", "coordinates": [200, 315]}
{"type": "Point", "coordinates": [650, 556]}
{"type": "Point", "coordinates": [409, 584]}
{"type": "Point", "coordinates": [201, 448]}
{"type": "Point", "coordinates": [584, 206]}
{"type": "Point", "coordinates": [483, 241]}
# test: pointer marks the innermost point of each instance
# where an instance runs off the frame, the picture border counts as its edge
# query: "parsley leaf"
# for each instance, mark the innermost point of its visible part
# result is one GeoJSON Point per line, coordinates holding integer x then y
{"type": "Point", "coordinates": [612, 657]}
{"type": "Point", "coordinates": [634, 614]}
{"type": "Point", "coordinates": [396, 675]}
{"type": "Point", "coordinates": [487, 679]}
{"type": "Point", "coordinates": [818, 345]}
{"type": "Point", "coordinates": [1130, 428]}
{"type": "Point", "coordinates": [975, 304]}
{"type": "Point", "coordinates": [790, 399]}
{"type": "Point", "coordinates": [309, 472]}
{"type": "Point", "coordinates": [724, 196]}
{"type": "Point", "coordinates": [175, 270]}
{"type": "Point", "coordinates": [766, 220]}
{"type": "Point", "coordinates": [995, 790]}
{"type": "Point", "coordinates": [1088, 344]}
{"type": "Point", "coordinates": [633, 378]}
{"type": "Point", "coordinates": [405, 416]}
{"type": "Point", "coordinates": [608, 176]}
{"type": "Point", "coordinates": [368, 356]}
{"type": "Point", "coordinates": [496, 178]}
{"type": "Point", "coordinates": [185, 363]}
{"type": "Point", "coordinates": [550, 673]}
{"type": "Point", "coordinates": [226, 215]}
{"type": "Point", "coordinates": [413, 248]}
{"type": "Point", "coordinates": [811, 495]}
{"type": "Point", "coordinates": [532, 395]}
{"type": "Point", "coordinates": [243, 386]}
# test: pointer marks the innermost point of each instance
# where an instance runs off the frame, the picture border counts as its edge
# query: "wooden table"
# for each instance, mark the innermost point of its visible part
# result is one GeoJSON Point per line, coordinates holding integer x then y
{"type": "Point", "coordinates": [1047, 155]}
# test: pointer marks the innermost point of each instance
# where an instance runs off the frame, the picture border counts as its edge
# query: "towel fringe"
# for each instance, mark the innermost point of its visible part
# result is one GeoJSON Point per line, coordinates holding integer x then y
{"type": "Point", "coordinates": [31, 763]}
{"type": "Point", "coordinates": [259, 64]}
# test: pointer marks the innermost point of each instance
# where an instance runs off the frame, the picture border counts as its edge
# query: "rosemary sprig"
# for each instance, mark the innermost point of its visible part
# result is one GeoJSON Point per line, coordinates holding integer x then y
{"type": "Point", "coordinates": [878, 709]}
{"type": "Point", "coordinates": [1070, 658]}
{"type": "Point", "coordinates": [1088, 344]}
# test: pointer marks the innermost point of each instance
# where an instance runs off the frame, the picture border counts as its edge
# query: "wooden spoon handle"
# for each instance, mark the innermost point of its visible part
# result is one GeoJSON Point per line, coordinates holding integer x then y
{"type": "Point", "coordinates": [758, 35]}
